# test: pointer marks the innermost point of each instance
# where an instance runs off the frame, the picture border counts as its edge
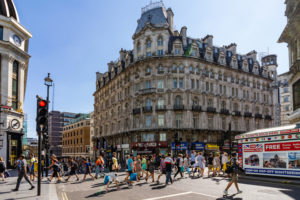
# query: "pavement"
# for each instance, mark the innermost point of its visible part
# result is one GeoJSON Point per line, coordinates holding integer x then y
{"type": "Point", "coordinates": [182, 189]}
{"type": "Point", "coordinates": [48, 190]}
{"type": "Point", "coordinates": [187, 188]}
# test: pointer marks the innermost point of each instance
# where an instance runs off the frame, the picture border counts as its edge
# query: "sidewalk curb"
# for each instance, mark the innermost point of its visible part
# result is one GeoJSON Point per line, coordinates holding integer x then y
{"type": "Point", "coordinates": [270, 180]}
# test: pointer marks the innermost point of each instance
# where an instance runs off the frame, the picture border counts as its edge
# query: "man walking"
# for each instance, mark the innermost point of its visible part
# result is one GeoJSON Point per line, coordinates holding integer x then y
{"type": "Point", "coordinates": [31, 167]}
{"type": "Point", "coordinates": [74, 167]}
{"type": "Point", "coordinates": [234, 175]}
{"type": "Point", "coordinates": [168, 166]}
{"type": "Point", "coordinates": [179, 166]}
{"type": "Point", "coordinates": [22, 172]}
{"type": "Point", "coordinates": [131, 169]}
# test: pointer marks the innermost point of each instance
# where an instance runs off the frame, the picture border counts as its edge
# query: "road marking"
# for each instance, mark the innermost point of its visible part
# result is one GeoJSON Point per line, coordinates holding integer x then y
{"type": "Point", "coordinates": [64, 196]}
{"type": "Point", "coordinates": [172, 195]}
{"type": "Point", "coordinates": [205, 194]}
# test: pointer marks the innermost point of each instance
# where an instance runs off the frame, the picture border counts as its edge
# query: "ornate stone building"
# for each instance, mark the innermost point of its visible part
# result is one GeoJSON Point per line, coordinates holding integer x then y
{"type": "Point", "coordinates": [172, 83]}
{"type": "Point", "coordinates": [291, 35]}
{"type": "Point", "coordinates": [14, 59]}
{"type": "Point", "coordinates": [285, 98]}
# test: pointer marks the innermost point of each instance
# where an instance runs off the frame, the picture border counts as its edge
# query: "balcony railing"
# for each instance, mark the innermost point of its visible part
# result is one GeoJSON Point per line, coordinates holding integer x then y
{"type": "Point", "coordinates": [161, 107]}
{"type": "Point", "coordinates": [136, 111]}
{"type": "Point", "coordinates": [236, 113]}
{"type": "Point", "coordinates": [247, 114]}
{"type": "Point", "coordinates": [224, 111]}
{"type": "Point", "coordinates": [147, 109]}
{"type": "Point", "coordinates": [211, 109]}
{"type": "Point", "coordinates": [160, 71]}
{"type": "Point", "coordinates": [147, 90]}
{"type": "Point", "coordinates": [268, 117]}
{"type": "Point", "coordinates": [178, 107]}
{"type": "Point", "coordinates": [258, 116]}
{"type": "Point", "coordinates": [196, 108]}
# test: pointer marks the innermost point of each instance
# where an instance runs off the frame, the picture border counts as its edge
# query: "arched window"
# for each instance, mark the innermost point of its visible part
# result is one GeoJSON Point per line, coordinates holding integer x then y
{"type": "Point", "coordinates": [223, 105]}
{"type": "Point", "coordinates": [195, 101]}
{"type": "Point", "coordinates": [257, 109]}
{"type": "Point", "coordinates": [181, 68]}
{"type": "Point", "coordinates": [148, 102]}
{"type": "Point", "coordinates": [160, 69]}
{"type": "Point", "coordinates": [174, 68]}
{"type": "Point", "coordinates": [148, 70]}
{"type": "Point", "coordinates": [197, 70]}
{"type": "Point", "coordinates": [178, 100]}
{"type": "Point", "coordinates": [148, 43]}
{"type": "Point", "coordinates": [246, 108]}
{"type": "Point", "coordinates": [161, 101]}
{"type": "Point", "coordinates": [160, 41]}
{"type": "Point", "coordinates": [191, 69]}
{"type": "Point", "coordinates": [235, 107]}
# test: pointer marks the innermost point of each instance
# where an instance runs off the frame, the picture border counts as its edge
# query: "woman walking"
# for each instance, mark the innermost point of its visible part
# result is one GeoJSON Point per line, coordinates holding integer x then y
{"type": "Point", "coordinates": [2, 168]}
{"type": "Point", "coordinates": [144, 165]}
{"type": "Point", "coordinates": [115, 164]}
{"type": "Point", "coordinates": [150, 168]}
{"type": "Point", "coordinates": [217, 165]}
{"type": "Point", "coordinates": [162, 168]}
{"type": "Point", "coordinates": [138, 167]}
{"type": "Point", "coordinates": [87, 169]}
{"type": "Point", "coordinates": [56, 169]}
{"type": "Point", "coordinates": [99, 166]}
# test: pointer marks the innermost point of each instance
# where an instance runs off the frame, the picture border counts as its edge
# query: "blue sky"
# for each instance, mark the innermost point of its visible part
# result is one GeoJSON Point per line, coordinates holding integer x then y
{"type": "Point", "coordinates": [73, 39]}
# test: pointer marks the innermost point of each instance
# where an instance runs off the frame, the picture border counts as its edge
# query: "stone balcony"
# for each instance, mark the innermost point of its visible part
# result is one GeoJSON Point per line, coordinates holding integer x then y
{"type": "Point", "coordinates": [196, 108]}
{"type": "Point", "coordinates": [147, 91]}
{"type": "Point", "coordinates": [178, 107]}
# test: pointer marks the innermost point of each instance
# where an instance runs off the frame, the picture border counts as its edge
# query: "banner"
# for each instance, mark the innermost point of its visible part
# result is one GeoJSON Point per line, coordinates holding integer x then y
{"type": "Point", "coordinates": [182, 146]}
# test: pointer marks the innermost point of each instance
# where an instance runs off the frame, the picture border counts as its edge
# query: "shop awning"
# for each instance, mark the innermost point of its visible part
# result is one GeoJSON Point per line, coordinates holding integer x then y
{"type": "Point", "coordinates": [212, 147]}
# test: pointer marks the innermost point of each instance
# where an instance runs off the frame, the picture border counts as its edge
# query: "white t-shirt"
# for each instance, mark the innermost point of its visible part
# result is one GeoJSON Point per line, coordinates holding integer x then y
{"type": "Point", "coordinates": [224, 159]}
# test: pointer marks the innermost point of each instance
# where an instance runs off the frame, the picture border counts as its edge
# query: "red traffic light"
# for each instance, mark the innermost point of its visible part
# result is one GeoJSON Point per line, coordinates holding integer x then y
{"type": "Point", "coordinates": [42, 103]}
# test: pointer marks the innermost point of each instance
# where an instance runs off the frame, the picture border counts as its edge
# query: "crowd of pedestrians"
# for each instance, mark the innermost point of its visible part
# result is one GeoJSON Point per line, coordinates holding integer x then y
{"type": "Point", "coordinates": [138, 168]}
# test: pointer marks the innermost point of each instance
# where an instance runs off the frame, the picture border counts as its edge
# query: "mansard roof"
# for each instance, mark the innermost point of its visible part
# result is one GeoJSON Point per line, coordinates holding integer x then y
{"type": "Point", "coordinates": [156, 17]}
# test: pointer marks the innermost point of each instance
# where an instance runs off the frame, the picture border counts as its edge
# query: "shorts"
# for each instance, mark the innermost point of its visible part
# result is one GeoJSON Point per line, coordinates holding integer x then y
{"type": "Point", "coordinates": [72, 172]}
{"type": "Point", "coordinates": [234, 177]}
{"type": "Point", "coordinates": [209, 166]}
{"type": "Point", "coordinates": [31, 172]}
{"type": "Point", "coordinates": [87, 172]}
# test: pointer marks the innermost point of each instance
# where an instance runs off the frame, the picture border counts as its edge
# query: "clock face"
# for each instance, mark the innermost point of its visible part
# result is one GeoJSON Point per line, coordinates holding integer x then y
{"type": "Point", "coordinates": [17, 40]}
{"type": "Point", "coordinates": [15, 124]}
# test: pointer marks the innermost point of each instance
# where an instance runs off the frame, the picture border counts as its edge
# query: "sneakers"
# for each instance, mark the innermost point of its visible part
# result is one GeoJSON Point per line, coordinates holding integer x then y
{"type": "Point", "coordinates": [32, 187]}
{"type": "Point", "coordinates": [239, 191]}
{"type": "Point", "coordinates": [225, 192]}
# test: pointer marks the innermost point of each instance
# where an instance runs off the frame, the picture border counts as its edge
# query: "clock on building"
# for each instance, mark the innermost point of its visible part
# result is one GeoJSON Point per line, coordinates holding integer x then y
{"type": "Point", "coordinates": [15, 124]}
{"type": "Point", "coordinates": [17, 40]}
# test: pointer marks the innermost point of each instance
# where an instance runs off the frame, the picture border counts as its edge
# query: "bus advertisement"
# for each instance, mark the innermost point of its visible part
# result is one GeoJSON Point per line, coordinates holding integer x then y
{"type": "Point", "coordinates": [273, 151]}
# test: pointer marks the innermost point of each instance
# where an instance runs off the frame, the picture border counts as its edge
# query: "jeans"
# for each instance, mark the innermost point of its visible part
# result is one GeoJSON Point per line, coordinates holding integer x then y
{"type": "Point", "coordinates": [20, 177]}
{"type": "Point", "coordinates": [169, 177]}
{"type": "Point", "coordinates": [99, 170]}
{"type": "Point", "coordinates": [178, 171]}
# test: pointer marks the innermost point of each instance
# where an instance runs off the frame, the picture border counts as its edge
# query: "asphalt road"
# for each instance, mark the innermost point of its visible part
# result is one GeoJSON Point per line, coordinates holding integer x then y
{"type": "Point", "coordinates": [182, 189]}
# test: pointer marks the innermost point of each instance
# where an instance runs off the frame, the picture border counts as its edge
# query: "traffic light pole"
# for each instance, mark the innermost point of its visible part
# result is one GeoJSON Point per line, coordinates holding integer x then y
{"type": "Point", "coordinates": [47, 145]}
{"type": "Point", "coordinates": [39, 163]}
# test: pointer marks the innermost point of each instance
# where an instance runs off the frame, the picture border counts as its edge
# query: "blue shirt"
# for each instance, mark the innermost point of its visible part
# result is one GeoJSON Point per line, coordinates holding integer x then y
{"type": "Point", "coordinates": [130, 162]}
{"type": "Point", "coordinates": [193, 157]}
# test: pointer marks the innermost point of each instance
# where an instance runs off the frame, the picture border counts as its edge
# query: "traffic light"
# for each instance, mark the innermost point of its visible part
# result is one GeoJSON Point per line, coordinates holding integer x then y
{"type": "Point", "coordinates": [45, 140]}
{"type": "Point", "coordinates": [42, 115]}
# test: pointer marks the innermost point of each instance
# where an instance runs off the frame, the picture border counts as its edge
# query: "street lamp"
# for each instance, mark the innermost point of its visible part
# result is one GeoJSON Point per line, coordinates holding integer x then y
{"type": "Point", "coordinates": [48, 82]}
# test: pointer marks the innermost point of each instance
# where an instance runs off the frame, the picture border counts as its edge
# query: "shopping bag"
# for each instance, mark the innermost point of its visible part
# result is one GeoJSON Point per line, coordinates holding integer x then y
{"type": "Point", "coordinates": [106, 180]}
{"type": "Point", "coordinates": [133, 177]}
{"type": "Point", "coordinates": [188, 170]}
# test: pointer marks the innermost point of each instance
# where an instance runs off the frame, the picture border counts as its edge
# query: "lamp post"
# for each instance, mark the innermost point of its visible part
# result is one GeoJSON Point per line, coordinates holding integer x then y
{"type": "Point", "coordinates": [48, 82]}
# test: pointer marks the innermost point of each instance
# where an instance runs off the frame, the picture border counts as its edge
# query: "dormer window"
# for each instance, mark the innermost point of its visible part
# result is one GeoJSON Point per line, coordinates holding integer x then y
{"type": "Point", "coordinates": [148, 43]}
{"type": "Point", "coordinates": [194, 51]}
{"type": "Point", "coordinates": [200, 46]}
{"type": "Point", "coordinates": [250, 61]}
{"type": "Point", "coordinates": [160, 42]}
{"type": "Point", "coordinates": [229, 54]}
{"type": "Point", "coordinates": [216, 50]}
{"type": "Point", "coordinates": [177, 50]}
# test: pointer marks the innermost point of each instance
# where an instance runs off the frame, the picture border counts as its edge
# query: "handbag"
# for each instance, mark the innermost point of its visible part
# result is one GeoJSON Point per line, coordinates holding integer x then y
{"type": "Point", "coordinates": [6, 174]}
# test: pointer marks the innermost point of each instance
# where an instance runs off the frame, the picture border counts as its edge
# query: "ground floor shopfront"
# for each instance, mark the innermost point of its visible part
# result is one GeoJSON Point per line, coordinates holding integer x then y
{"type": "Point", "coordinates": [149, 142]}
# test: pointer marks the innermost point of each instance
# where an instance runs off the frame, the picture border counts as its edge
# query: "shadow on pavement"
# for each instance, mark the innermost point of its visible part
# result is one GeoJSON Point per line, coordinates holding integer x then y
{"type": "Point", "coordinates": [292, 191]}
{"type": "Point", "coordinates": [102, 193]}
{"type": "Point", "coordinates": [230, 197]}
{"type": "Point", "coordinates": [162, 186]}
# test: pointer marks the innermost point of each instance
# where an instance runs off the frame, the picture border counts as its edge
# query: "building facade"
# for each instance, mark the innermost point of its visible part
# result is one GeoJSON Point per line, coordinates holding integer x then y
{"type": "Point", "coordinates": [56, 122]}
{"type": "Point", "coordinates": [285, 98]}
{"type": "Point", "coordinates": [170, 83]}
{"type": "Point", "coordinates": [14, 59]}
{"type": "Point", "coordinates": [291, 35]}
{"type": "Point", "coordinates": [76, 139]}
